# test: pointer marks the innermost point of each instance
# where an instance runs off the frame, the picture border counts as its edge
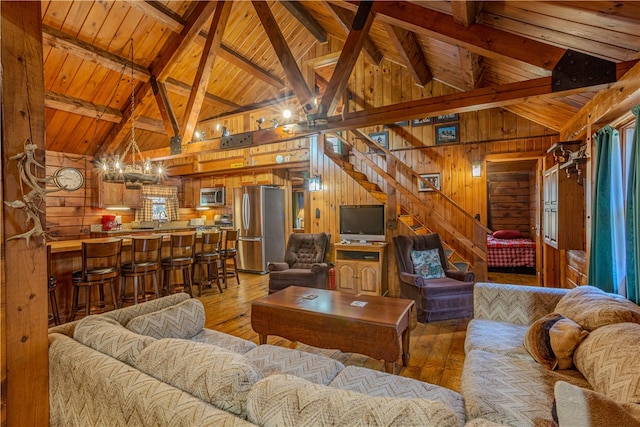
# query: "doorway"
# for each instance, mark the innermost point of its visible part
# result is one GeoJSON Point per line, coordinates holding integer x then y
{"type": "Point", "coordinates": [514, 204]}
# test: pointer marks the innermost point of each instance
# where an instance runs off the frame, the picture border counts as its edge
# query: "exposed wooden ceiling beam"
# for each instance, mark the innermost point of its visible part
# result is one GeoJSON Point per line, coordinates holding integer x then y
{"type": "Point", "coordinates": [66, 103]}
{"type": "Point", "coordinates": [61, 41]}
{"type": "Point", "coordinates": [297, 10]}
{"type": "Point", "coordinates": [249, 67]}
{"type": "Point", "coordinates": [159, 13]}
{"type": "Point", "coordinates": [606, 105]}
{"type": "Point", "coordinates": [465, 12]}
{"type": "Point", "coordinates": [288, 62]}
{"type": "Point", "coordinates": [205, 67]}
{"type": "Point", "coordinates": [184, 89]}
{"type": "Point", "coordinates": [200, 14]}
{"type": "Point", "coordinates": [477, 99]}
{"type": "Point", "coordinates": [348, 57]}
{"type": "Point", "coordinates": [408, 46]}
{"type": "Point", "coordinates": [478, 38]}
{"type": "Point", "coordinates": [99, 112]}
{"type": "Point", "coordinates": [175, 23]}
{"type": "Point", "coordinates": [166, 109]}
{"type": "Point", "coordinates": [345, 18]}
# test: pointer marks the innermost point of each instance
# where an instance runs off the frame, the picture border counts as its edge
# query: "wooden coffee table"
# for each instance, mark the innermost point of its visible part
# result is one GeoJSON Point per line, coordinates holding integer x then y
{"type": "Point", "coordinates": [331, 321]}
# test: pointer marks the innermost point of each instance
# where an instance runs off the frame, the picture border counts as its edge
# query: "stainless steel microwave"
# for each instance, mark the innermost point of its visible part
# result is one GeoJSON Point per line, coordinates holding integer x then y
{"type": "Point", "coordinates": [215, 196]}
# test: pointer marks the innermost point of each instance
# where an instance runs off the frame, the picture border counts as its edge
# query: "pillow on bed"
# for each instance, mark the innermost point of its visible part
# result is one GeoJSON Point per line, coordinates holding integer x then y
{"type": "Point", "coordinates": [507, 234]}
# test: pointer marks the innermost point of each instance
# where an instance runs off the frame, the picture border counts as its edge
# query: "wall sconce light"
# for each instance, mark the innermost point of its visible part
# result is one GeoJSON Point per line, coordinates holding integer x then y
{"type": "Point", "coordinates": [260, 121]}
{"type": "Point", "coordinates": [274, 122]}
{"type": "Point", "coordinates": [225, 131]}
{"type": "Point", "coordinates": [476, 169]}
{"type": "Point", "coordinates": [315, 183]}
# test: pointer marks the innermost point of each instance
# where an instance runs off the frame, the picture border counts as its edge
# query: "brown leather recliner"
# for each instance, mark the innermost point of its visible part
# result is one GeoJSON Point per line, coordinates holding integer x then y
{"type": "Point", "coordinates": [305, 263]}
{"type": "Point", "coordinates": [450, 297]}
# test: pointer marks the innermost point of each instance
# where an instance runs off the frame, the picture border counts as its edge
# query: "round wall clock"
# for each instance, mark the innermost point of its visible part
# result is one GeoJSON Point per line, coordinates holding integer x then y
{"type": "Point", "coordinates": [69, 179]}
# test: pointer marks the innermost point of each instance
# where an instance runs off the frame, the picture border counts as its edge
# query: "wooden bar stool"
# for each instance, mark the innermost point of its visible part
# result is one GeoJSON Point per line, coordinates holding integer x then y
{"type": "Point", "coordinates": [208, 256]}
{"type": "Point", "coordinates": [145, 261]}
{"type": "Point", "coordinates": [54, 316]}
{"type": "Point", "coordinates": [181, 256]}
{"type": "Point", "coordinates": [100, 267]}
{"type": "Point", "coordinates": [229, 252]}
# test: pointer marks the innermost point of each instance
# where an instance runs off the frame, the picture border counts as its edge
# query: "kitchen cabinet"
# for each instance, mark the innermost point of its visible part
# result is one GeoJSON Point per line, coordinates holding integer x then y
{"type": "Point", "coordinates": [190, 193]}
{"type": "Point", "coordinates": [361, 269]}
{"type": "Point", "coordinates": [116, 194]}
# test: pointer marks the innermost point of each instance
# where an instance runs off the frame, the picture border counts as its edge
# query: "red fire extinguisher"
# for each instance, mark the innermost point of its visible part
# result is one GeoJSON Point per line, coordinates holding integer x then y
{"type": "Point", "coordinates": [332, 276]}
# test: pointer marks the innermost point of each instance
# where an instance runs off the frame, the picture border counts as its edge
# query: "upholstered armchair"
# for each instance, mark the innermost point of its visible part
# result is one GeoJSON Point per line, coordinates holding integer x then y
{"type": "Point", "coordinates": [305, 263]}
{"type": "Point", "coordinates": [439, 292]}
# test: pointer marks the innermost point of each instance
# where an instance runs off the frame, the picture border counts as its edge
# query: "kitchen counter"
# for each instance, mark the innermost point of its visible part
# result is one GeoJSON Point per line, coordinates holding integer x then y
{"type": "Point", "coordinates": [140, 231]}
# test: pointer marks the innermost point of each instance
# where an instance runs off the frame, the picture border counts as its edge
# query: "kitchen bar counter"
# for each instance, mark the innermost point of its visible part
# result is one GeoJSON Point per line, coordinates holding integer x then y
{"type": "Point", "coordinates": [66, 257]}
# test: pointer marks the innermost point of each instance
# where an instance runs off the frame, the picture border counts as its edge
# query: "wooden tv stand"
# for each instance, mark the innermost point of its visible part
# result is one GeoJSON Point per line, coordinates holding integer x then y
{"type": "Point", "coordinates": [361, 268]}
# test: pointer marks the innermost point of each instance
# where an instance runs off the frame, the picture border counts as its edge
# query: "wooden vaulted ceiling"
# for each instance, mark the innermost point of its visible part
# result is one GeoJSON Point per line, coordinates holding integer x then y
{"type": "Point", "coordinates": [255, 48]}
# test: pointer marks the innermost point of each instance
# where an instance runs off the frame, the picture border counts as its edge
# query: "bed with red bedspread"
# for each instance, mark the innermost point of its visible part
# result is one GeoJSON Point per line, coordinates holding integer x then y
{"type": "Point", "coordinates": [510, 252]}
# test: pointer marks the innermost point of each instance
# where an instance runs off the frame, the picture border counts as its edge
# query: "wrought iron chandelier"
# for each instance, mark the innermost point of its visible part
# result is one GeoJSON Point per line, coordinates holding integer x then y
{"type": "Point", "coordinates": [138, 170]}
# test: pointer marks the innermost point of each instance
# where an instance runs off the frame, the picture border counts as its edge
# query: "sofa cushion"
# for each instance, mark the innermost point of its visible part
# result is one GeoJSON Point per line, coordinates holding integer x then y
{"type": "Point", "coordinates": [183, 320]}
{"type": "Point", "coordinates": [552, 339]}
{"type": "Point", "coordinates": [89, 388]}
{"type": "Point", "coordinates": [286, 400]}
{"type": "Point", "coordinates": [497, 337]}
{"type": "Point", "coordinates": [592, 308]}
{"type": "Point", "coordinates": [427, 264]}
{"type": "Point", "coordinates": [511, 391]}
{"type": "Point", "coordinates": [608, 358]}
{"type": "Point", "coordinates": [111, 338]}
{"type": "Point", "coordinates": [208, 372]}
{"type": "Point", "coordinates": [565, 335]}
{"type": "Point", "coordinates": [382, 384]}
{"type": "Point", "coordinates": [580, 407]}
{"type": "Point", "coordinates": [280, 360]}
{"type": "Point", "coordinates": [226, 341]}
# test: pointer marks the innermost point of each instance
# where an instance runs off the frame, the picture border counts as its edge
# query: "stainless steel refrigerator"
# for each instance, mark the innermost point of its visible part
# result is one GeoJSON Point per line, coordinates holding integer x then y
{"type": "Point", "coordinates": [259, 215]}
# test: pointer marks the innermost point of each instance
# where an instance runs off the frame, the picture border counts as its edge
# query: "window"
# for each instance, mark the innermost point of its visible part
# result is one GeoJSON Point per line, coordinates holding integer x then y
{"type": "Point", "coordinates": [158, 208]}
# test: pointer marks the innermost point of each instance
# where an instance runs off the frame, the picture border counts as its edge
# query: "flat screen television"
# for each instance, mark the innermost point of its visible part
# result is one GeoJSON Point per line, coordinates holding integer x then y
{"type": "Point", "coordinates": [363, 223]}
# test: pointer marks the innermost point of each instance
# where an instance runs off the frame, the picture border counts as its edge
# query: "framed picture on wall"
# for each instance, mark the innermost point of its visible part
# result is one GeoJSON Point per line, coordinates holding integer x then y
{"type": "Point", "coordinates": [447, 118]}
{"type": "Point", "coordinates": [381, 138]}
{"type": "Point", "coordinates": [447, 134]}
{"type": "Point", "coordinates": [432, 178]}
{"type": "Point", "coordinates": [422, 122]}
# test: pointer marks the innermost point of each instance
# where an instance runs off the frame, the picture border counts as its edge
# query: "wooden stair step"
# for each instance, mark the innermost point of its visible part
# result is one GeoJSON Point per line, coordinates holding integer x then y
{"type": "Point", "coordinates": [461, 265]}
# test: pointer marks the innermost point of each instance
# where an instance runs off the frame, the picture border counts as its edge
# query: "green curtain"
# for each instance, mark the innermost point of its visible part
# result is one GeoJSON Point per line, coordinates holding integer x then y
{"type": "Point", "coordinates": [607, 259]}
{"type": "Point", "coordinates": [633, 216]}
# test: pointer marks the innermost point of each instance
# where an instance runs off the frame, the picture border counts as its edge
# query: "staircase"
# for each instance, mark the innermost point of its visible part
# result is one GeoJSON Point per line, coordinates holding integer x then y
{"type": "Point", "coordinates": [455, 260]}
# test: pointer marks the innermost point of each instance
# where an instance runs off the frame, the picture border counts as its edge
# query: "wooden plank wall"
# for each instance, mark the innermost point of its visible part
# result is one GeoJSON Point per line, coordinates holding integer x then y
{"type": "Point", "coordinates": [509, 195]}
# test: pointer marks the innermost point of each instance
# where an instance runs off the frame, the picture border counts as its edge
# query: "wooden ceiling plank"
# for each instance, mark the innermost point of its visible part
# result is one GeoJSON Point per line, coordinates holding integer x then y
{"type": "Point", "coordinates": [477, 38]}
{"type": "Point", "coordinates": [203, 74]}
{"type": "Point", "coordinates": [288, 62]}
{"type": "Point", "coordinates": [59, 40]}
{"type": "Point", "coordinates": [348, 57]}
{"type": "Point", "coordinates": [407, 45]}
{"type": "Point", "coordinates": [62, 102]}
{"type": "Point", "coordinates": [297, 10]}
{"type": "Point", "coordinates": [200, 14]}
{"type": "Point", "coordinates": [345, 17]}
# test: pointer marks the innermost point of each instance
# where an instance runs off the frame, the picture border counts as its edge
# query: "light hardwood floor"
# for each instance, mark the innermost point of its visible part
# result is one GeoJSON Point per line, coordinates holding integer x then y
{"type": "Point", "coordinates": [437, 349]}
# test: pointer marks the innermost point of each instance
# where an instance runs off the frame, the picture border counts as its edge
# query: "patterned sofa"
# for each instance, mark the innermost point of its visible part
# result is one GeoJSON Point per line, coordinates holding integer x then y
{"type": "Point", "coordinates": [515, 346]}
{"type": "Point", "coordinates": [155, 364]}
